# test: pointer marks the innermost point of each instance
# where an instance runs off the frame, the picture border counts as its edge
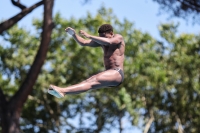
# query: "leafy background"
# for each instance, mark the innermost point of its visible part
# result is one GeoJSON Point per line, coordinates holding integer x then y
{"type": "Point", "coordinates": [162, 78]}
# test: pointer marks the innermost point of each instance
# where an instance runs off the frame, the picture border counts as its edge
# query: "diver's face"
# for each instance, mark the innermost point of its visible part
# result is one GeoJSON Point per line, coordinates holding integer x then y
{"type": "Point", "coordinates": [106, 34]}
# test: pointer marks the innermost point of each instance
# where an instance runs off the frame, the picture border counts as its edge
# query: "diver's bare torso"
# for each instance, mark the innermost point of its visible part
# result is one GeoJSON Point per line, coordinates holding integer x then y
{"type": "Point", "coordinates": [114, 56]}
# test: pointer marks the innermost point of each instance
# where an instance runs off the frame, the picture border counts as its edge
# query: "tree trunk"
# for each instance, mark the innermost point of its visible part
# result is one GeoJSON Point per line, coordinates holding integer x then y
{"type": "Point", "coordinates": [10, 111]}
{"type": "Point", "coordinates": [10, 120]}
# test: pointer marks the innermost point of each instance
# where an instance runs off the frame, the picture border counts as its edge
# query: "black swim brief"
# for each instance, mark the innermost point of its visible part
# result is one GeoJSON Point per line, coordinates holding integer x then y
{"type": "Point", "coordinates": [121, 73]}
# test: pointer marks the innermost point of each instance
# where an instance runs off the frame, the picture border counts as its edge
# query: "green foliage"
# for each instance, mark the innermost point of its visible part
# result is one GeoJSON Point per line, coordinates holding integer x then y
{"type": "Point", "coordinates": [182, 86]}
{"type": "Point", "coordinates": [17, 54]}
{"type": "Point", "coordinates": [158, 77]}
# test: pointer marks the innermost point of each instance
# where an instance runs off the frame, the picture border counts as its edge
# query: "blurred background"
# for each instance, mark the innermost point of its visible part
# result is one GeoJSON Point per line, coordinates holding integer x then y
{"type": "Point", "coordinates": [161, 90]}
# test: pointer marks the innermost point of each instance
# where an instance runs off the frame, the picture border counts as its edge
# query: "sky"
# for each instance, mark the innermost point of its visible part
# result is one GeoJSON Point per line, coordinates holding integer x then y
{"type": "Point", "coordinates": [143, 13]}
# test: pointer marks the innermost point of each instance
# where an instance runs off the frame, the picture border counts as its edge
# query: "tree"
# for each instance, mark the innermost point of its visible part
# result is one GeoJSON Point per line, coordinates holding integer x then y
{"type": "Point", "coordinates": [177, 111]}
{"type": "Point", "coordinates": [66, 57]}
{"type": "Point", "coordinates": [166, 79]}
{"type": "Point", "coordinates": [158, 79]}
{"type": "Point", "coordinates": [11, 109]}
{"type": "Point", "coordinates": [10, 22]}
{"type": "Point", "coordinates": [47, 114]}
{"type": "Point", "coordinates": [181, 8]}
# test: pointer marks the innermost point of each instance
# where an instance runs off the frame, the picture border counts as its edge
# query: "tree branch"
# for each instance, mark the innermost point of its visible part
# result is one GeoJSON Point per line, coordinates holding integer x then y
{"type": "Point", "coordinates": [180, 127]}
{"type": "Point", "coordinates": [2, 98]}
{"type": "Point", "coordinates": [85, 2]}
{"type": "Point", "coordinates": [22, 94]}
{"type": "Point", "coordinates": [193, 5]}
{"type": "Point", "coordinates": [178, 120]}
{"type": "Point", "coordinates": [10, 22]}
{"type": "Point", "coordinates": [190, 4]}
{"type": "Point", "coordinates": [18, 4]}
{"type": "Point", "coordinates": [150, 121]}
{"type": "Point", "coordinates": [2, 102]}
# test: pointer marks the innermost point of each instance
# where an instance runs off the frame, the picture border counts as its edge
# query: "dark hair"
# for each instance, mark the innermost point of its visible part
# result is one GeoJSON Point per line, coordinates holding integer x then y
{"type": "Point", "coordinates": [105, 28]}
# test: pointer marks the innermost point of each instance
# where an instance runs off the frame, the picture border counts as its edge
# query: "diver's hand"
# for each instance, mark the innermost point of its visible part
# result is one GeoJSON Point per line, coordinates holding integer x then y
{"type": "Point", "coordinates": [85, 34]}
{"type": "Point", "coordinates": [70, 31]}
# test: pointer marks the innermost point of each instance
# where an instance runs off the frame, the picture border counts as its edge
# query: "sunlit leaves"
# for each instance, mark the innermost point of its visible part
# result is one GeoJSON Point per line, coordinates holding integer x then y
{"type": "Point", "coordinates": [158, 78]}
